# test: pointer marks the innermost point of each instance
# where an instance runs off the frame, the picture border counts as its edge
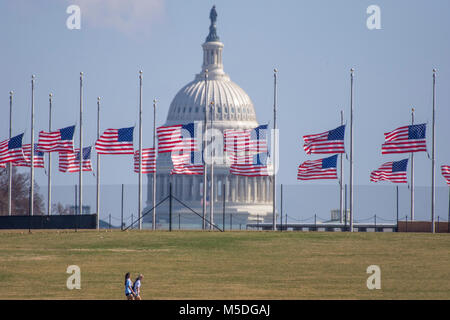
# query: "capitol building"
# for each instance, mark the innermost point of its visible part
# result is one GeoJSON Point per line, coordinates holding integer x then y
{"type": "Point", "coordinates": [248, 199]}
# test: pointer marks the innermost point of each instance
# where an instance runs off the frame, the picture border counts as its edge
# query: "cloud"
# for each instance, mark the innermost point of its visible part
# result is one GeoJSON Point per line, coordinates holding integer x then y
{"type": "Point", "coordinates": [127, 16]}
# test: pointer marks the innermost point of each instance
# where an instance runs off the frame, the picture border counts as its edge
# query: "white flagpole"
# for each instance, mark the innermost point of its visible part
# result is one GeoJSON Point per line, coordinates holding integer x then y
{"type": "Point", "coordinates": [351, 149]}
{"type": "Point", "coordinates": [10, 164]}
{"type": "Point", "coordinates": [433, 155]}
{"type": "Point", "coordinates": [32, 149]}
{"type": "Point", "coordinates": [98, 167]}
{"type": "Point", "coordinates": [154, 173]}
{"type": "Point", "coordinates": [205, 179]}
{"type": "Point", "coordinates": [80, 197]}
{"type": "Point", "coordinates": [140, 153]}
{"type": "Point", "coordinates": [412, 173]}
{"type": "Point", "coordinates": [211, 190]}
{"type": "Point", "coordinates": [341, 184]}
{"type": "Point", "coordinates": [49, 191]}
{"type": "Point", "coordinates": [274, 184]}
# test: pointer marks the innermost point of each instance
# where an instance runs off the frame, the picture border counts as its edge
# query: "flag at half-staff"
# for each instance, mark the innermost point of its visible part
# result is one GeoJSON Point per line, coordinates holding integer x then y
{"type": "Point", "coordinates": [446, 173]}
{"type": "Point", "coordinates": [60, 140]}
{"type": "Point", "coordinates": [70, 162]}
{"type": "Point", "coordinates": [38, 159]}
{"type": "Point", "coordinates": [394, 171]}
{"type": "Point", "coordinates": [318, 169]}
{"type": "Point", "coordinates": [115, 141]}
{"type": "Point", "coordinates": [176, 137]}
{"type": "Point", "coordinates": [11, 149]}
{"type": "Point", "coordinates": [189, 163]}
{"type": "Point", "coordinates": [326, 142]}
{"type": "Point", "coordinates": [251, 166]}
{"type": "Point", "coordinates": [248, 141]}
{"type": "Point", "coordinates": [148, 160]}
{"type": "Point", "coordinates": [405, 139]}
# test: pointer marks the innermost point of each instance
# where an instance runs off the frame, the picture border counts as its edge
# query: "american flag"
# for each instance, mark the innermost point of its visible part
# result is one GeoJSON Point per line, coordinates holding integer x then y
{"type": "Point", "coordinates": [56, 141]}
{"type": "Point", "coordinates": [176, 137]}
{"type": "Point", "coordinates": [115, 141]}
{"type": "Point", "coordinates": [394, 171]}
{"type": "Point", "coordinates": [446, 173]}
{"type": "Point", "coordinates": [254, 168]}
{"type": "Point", "coordinates": [190, 163]}
{"type": "Point", "coordinates": [318, 169]}
{"type": "Point", "coordinates": [11, 149]}
{"type": "Point", "coordinates": [148, 160]}
{"type": "Point", "coordinates": [405, 140]}
{"type": "Point", "coordinates": [70, 162]}
{"type": "Point", "coordinates": [326, 142]}
{"type": "Point", "coordinates": [38, 158]}
{"type": "Point", "coordinates": [250, 141]}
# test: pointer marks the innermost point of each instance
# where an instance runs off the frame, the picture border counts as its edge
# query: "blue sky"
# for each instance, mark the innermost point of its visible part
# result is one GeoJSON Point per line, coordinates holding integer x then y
{"type": "Point", "coordinates": [312, 43]}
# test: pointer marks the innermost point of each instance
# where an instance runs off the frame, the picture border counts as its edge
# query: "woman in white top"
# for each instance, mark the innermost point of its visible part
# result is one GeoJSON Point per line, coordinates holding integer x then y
{"type": "Point", "coordinates": [137, 287]}
{"type": "Point", "coordinates": [129, 292]}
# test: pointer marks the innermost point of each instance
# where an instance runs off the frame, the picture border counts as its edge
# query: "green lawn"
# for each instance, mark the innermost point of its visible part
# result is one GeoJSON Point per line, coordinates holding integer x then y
{"type": "Point", "coordinates": [230, 265]}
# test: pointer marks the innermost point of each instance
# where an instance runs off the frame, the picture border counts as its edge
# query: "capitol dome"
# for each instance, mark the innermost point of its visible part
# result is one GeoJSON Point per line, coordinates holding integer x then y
{"type": "Point", "coordinates": [248, 198]}
{"type": "Point", "coordinates": [230, 101]}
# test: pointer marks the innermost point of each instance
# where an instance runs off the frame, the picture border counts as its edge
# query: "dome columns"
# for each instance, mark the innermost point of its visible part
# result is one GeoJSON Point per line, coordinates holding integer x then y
{"type": "Point", "coordinates": [212, 58]}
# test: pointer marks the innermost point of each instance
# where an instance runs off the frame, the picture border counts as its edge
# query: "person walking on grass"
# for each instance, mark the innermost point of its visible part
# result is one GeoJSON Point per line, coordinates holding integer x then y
{"type": "Point", "coordinates": [129, 292]}
{"type": "Point", "coordinates": [137, 287]}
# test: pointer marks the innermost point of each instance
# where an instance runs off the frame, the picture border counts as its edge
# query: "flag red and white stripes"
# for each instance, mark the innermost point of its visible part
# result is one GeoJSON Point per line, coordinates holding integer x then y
{"type": "Point", "coordinates": [148, 160]}
{"type": "Point", "coordinates": [57, 141]}
{"type": "Point", "coordinates": [249, 169]}
{"type": "Point", "coordinates": [318, 169]}
{"type": "Point", "coordinates": [405, 139]}
{"type": "Point", "coordinates": [11, 149]}
{"type": "Point", "coordinates": [168, 137]}
{"type": "Point", "coordinates": [38, 158]}
{"type": "Point", "coordinates": [70, 162]}
{"type": "Point", "coordinates": [176, 138]}
{"type": "Point", "coordinates": [116, 141]}
{"type": "Point", "coordinates": [238, 141]}
{"type": "Point", "coordinates": [326, 142]}
{"type": "Point", "coordinates": [189, 163]}
{"type": "Point", "coordinates": [394, 171]}
{"type": "Point", "coordinates": [446, 173]}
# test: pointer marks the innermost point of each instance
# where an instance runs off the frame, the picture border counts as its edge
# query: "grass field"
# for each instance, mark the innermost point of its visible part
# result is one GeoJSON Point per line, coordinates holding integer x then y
{"type": "Point", "coordinates": [230, 265]}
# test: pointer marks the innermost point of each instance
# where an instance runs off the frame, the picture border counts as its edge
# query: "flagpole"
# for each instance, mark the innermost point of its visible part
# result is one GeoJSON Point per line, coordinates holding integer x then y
{"type": "Point", "coordinates": [351, 149]}
{"type": "Point", "coordinates": [154, 173]}
{"type": "Point", "coordinates": [274, 184]}
{"type": "Point", "coordinates": [412, 172]}
{"type": "Point", "coordinates": [433, 155]}
{"type": "Point", "coordinates": [49, 191]}
{"type": "Point", "coordinates": [98, 166]}
{"type": "Point", "coordinates": [32, 149]}
{"type": "Point", "coordinates": [80, 197]}
{"type": "Point", "coordinates": [205, 179]}
{"type": "Point", "coordinates": [341, 186]}
{"type": "Point", "coordinates": [211, 190]}
{"type": "Point", "coordinates": [10, 164]}
{"type": "Point", "coordinates": [140, 153]}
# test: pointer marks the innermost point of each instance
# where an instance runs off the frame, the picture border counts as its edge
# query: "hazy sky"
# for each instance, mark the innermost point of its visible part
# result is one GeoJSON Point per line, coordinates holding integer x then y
{"type": "Point", "coordinates": [312, 43]}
